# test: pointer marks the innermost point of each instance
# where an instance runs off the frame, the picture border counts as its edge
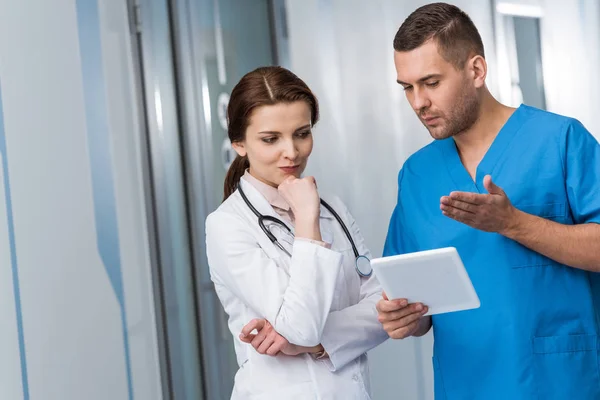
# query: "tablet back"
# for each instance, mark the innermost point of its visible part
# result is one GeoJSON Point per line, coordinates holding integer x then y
{"type": "Point", "coordinates": [436, 278]}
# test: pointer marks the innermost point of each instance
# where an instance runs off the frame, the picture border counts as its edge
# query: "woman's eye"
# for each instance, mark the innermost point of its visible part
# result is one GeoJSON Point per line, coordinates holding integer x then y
{"type": "Point", "coordinates": [303, 135]}
{"type": "Point", "coordinates": [269, 140]}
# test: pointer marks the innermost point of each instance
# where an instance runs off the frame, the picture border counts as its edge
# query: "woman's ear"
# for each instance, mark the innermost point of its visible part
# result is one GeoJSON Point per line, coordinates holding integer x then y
{"type": "Point", "coordinates": [239, 148]}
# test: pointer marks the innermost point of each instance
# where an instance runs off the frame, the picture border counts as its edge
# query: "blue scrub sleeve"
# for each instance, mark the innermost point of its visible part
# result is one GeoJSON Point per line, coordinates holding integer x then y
{"type": "Point", "coordinates": [581, 160]}
{"type": "Point", "coordinates": [395, 242]}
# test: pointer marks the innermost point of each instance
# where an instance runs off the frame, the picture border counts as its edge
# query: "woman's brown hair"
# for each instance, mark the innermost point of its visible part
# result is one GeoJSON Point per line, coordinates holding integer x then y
{"type": "Point", "coordinates": [265, 86]}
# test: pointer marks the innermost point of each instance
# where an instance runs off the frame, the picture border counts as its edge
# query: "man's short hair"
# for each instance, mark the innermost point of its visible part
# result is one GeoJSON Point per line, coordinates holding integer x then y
{"type": "Point", "coordinates": [450, 27]}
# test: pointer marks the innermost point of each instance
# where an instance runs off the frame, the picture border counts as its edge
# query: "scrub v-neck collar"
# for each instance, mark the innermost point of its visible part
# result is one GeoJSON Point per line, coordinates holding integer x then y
{"type": "Point", "coordinates": [457, 170]}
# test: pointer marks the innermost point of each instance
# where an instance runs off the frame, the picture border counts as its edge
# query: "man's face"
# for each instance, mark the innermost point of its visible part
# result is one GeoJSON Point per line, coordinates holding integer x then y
{"type": "Point", "coordinates": [444, 98]}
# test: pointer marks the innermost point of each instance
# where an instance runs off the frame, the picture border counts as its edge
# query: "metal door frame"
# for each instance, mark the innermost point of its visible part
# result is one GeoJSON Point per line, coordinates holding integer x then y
{"type": "Point", "coordinates": [165, 196]}
{"type": "Point", "coordinates": [159, 28]}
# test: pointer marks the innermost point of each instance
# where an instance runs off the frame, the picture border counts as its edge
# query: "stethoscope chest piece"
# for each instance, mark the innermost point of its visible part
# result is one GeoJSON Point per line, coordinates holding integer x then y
{"type": "Point", "coordinates": [363, 266]}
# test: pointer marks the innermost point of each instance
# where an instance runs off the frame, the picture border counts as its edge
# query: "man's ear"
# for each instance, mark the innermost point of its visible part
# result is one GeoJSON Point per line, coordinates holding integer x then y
{"type": "Point", "coordinates": [239, 148]}
{"type": "Point", "coordinates": [478, 69]}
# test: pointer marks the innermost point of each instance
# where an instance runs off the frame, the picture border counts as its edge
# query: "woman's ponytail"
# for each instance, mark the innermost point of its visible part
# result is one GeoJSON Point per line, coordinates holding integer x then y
{"type": "Point", "coordinates": [234, 174]}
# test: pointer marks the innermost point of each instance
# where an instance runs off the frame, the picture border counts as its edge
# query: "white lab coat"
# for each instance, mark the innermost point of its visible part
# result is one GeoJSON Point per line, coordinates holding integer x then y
{"type": "Point", "coordinates": [316, 296]}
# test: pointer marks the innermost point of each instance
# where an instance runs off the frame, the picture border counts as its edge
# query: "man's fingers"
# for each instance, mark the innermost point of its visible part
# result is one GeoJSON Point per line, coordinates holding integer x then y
{"type": "Point", "coordinates": [393, 324]}
{"type": "Point", "coordinates": [398, 314]}
{"type": "Point", "coordinates": [471, 198]}
{"type": "Point", "coordinates": [413, 309]}
{"type": "Point", "coordinates": [405, 331]}
{"type": "Point", "coordinates": [257, 324]}
{"type": "Point", "coordinates": [384, 306]}
{"type": "Point", "coordinates": [491, 187]}
{"type": "Point", "coordinates": [460, 205]}
{"type": "Point", "coordinates": [459, 215]}
{"type": "Point", "coordinates": [384, 296]}
{"type": "Point", "coordinates": [405, 327]}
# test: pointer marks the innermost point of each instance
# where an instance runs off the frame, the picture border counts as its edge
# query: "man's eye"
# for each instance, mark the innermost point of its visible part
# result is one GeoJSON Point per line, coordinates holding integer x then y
{"type": "Point", "coordinates": [407, 88]}
{"type": "Point", "coordinates": [432, 84]}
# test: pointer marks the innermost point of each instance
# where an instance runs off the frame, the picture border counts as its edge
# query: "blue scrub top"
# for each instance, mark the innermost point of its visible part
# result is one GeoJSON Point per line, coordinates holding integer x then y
{"type": "Point", "coordinates": [535, 335]}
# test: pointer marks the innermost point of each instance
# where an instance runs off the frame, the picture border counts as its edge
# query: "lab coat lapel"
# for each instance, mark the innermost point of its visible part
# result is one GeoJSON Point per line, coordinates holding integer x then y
{"type": "Point", "coordinates": [325, 221]}
{"type": "Point", "coordinates": [262, 206]}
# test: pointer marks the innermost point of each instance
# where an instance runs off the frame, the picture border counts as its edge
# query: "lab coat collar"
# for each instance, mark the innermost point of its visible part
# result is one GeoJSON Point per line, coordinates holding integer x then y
{"type": "Point", "coordinates": [264, 207]}
{"type": "Point", "coordinates": [269, 192]}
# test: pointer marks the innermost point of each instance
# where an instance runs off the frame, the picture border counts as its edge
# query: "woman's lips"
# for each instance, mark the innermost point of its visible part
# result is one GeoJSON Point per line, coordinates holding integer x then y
{"type": "Point", "coordinates": [289, 170]}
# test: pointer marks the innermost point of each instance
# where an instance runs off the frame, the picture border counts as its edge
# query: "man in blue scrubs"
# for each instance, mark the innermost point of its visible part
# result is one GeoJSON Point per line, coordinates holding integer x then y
{"type": "Point", "coordinates": [517, 192]}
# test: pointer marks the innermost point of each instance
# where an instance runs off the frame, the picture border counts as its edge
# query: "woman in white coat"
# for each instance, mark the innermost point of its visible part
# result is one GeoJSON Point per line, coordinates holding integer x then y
{"type": "Point", "coordinates": [301, 313]}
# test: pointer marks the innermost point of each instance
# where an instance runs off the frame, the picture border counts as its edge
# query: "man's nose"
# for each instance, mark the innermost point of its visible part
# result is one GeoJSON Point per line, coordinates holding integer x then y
{"type": "Point", "coordinates": [420, 101]}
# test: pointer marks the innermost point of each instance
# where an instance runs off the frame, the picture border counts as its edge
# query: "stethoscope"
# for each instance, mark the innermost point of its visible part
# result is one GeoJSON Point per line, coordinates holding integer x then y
{"type": "Point", "coordinates": [362, 263]}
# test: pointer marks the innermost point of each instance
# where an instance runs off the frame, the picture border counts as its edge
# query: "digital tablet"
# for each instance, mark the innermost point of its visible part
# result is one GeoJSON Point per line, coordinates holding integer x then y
{"type": "Point", "coordinates": [436, 278]}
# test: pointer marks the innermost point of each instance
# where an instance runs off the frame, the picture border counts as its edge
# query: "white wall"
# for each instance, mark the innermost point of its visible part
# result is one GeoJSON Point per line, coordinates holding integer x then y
{"type": "Point", "coordinates": [571, 58]}
{"type": "Point", "coordinates": [72, 222]}
{"type": "Point", "coordinates": [343, 49]}
{"type": "Point", "coordinates": [570, 40]}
